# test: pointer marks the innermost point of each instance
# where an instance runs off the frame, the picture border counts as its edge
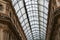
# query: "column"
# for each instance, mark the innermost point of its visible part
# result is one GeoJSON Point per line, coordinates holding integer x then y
{"type": "Point", "coordinates": [1, 34]}
{"type": "Point", "coordinates": [6, 35]}
{"type": "Point", "coordinates": [6, 32]}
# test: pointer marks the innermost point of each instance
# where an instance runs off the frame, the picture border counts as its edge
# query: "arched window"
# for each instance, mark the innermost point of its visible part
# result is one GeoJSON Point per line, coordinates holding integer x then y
{"type": "Point", "coordinates": [1, 7]}
{"type": "Point", "coordinates": [32, 15]}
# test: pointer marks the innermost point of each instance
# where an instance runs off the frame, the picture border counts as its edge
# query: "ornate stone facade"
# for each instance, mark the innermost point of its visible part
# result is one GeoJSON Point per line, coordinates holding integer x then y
{"type": "Point", "coordinates": [53, 25]}
{"type": "Point", "coordinates": [10, 28]}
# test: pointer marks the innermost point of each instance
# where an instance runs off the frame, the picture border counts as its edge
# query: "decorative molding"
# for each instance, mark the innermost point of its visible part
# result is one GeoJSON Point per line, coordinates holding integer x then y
{"type": "Point", "coordinates": [9, 26]}
{"type": "Point", "coordinates": [57, 12]}
{"type": "Point", "coordinates": [1, 7]}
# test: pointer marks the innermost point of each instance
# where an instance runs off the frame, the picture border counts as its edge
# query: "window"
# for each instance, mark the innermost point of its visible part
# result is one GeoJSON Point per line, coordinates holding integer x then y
{"type": "Point", "coordinates": [1, 7]}
{"type": "Point", "coordinates": [34, 18]}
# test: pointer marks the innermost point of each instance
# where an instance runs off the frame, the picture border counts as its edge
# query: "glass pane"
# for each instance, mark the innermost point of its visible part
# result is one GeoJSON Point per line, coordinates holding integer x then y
{"type": "Point", "coordinates": [33, 17]}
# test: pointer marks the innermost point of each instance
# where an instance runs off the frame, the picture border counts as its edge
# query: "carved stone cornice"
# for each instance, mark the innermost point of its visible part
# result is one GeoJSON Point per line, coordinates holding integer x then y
{"type": "Point", "coordinates": [7, 25]}
{"type": "Point", "coordinates": [5, 18]}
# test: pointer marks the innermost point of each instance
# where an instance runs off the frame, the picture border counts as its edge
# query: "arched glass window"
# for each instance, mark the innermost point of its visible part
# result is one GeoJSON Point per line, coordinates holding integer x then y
{"type": "Point", "coordinates": [32, 15]}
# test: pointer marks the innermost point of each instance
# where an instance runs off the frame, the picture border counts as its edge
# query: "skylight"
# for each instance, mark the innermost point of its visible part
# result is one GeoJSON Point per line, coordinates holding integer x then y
{"type": "Point", "coordinates": [32, 15]}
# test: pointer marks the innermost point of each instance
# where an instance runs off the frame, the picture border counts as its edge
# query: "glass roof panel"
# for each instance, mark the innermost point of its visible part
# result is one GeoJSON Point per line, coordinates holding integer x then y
{"type": "Point", "coordinates": [32, 15]}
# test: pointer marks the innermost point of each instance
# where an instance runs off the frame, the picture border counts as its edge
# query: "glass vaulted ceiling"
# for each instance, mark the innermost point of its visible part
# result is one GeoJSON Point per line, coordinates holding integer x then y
{"type": "Point", "coordinates": [32, 15]}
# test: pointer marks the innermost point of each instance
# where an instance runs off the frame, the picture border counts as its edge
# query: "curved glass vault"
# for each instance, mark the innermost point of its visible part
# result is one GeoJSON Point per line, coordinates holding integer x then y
{"type": "Point", "coordinates": [32, 15]}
